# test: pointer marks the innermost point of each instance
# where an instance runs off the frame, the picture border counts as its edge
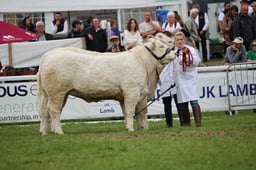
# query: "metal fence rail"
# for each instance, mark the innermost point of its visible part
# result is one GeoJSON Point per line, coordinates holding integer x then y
{"type": "Point", "coordinates": [241, 86]}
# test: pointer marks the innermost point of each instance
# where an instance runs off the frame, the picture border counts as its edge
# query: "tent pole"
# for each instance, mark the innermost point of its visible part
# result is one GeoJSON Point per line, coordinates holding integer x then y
{"type": "Point", "coordinates": [10, 54]}
{"type": "Point", "coordinates": [83, 43]}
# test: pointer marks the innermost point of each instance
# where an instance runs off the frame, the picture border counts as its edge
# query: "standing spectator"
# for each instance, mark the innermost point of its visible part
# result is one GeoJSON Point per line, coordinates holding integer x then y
{"type": "Point", "coordinates": [186, 79]}
{"type": "Point", "coordinates": [250, 9]}
{"type": "Point", "coordinates": [131, 34]}
{"type": "Point", "coordinates": [242, 26]}
{"type": "Point", "coordinates": [251, 55]}
{"type": "Point", "coordinates": [222, 14]}
{"type": "Point", "coordinates": [192, 26]}
{"type": "Point", "coordinates": [27, 25]}
{"type": "Point", "coordinates": [184, 29]}
{"type": "Point", "coordinates": [1, 66]}
{"type": "Point", "coordinates": [149, 27]}
{"type": "Point", "coordinates": [167, 80]}
{"type": "Point", "coordinates": [40, 30]}
{"type": "Point", "coordinates": [88, 23]}
{"type": "Point", "coordinates": [254, 17]}
{"type": "Point", "coordinates": [227, 25]}
{"type": "Point", "coordinates": [96, 38]}
{"type": "Point", "coordinates": [76, 29]}
{"type": "Point", "coordinates": [202, 22]}
{"type": "Point", "coordinates": [235, 53]}
{"type": "Point", "coordinates": [254, 8]}
{"type": "Point", "coordinates": [171, 26]}
{"type": "Point", "coordinates": [59, 25]}
{"type": "Point", "coordinates": [114, 29]}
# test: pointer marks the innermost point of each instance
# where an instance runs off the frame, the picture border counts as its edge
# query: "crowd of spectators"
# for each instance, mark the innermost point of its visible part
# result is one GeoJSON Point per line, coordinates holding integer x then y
{"type": "Point", "coordinates": [238, 28]}
{"type": "Point", "coordinates": [235, 23]}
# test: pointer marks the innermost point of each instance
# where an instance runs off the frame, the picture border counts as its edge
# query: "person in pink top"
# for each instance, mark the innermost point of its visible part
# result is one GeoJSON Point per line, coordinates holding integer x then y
{"type": "Point", "coordinates": [149, 27]}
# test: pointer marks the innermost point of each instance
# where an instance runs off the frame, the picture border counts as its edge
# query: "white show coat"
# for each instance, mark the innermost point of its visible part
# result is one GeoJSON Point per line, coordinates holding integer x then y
{"type": "Point", "coordinates": [186, 82]}
{"type": "Point", "coordinates": [166, 80]}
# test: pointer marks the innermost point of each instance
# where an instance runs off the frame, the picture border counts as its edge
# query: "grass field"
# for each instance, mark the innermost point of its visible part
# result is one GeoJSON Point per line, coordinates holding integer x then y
{"type": "Point", "coordinates": [223, 142]}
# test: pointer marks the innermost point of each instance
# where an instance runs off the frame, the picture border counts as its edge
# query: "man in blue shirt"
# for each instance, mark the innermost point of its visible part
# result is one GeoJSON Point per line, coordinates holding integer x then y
{"type": "Point", "coordinates": [235, 53]}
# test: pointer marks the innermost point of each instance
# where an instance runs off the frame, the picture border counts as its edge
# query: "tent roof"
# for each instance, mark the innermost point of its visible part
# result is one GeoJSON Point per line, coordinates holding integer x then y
{"type": "Point", "coordinates": [78, 5]}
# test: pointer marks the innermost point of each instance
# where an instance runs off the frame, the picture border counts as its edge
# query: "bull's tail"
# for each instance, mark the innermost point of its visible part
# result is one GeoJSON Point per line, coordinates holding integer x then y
{"type": "Point", "coordinates": [40, 92]}
{"type": "Point", "coordinates": [42, 97]}
{"type": "Point", "coordinates": [39, 86]}
{"type": "Point", "coordinates": [42, 100]}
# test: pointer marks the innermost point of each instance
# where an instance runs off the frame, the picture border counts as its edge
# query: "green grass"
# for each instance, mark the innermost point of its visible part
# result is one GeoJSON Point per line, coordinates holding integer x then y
{"type": "Point", "coordinates": [223, 142]}
{"type": "Point", "coordinates": [214, 62]}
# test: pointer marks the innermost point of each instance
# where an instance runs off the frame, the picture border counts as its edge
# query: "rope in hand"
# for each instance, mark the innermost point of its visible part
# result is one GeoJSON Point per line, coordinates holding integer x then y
{"type": "Point", "coordinates": [187, 58]}
{"type": "Point", "coordinates": [173, 85]}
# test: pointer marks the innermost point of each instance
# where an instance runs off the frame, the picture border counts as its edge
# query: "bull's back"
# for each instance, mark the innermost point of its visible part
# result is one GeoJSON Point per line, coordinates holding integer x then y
{"type": "Point", "coordinates": [90, 73]}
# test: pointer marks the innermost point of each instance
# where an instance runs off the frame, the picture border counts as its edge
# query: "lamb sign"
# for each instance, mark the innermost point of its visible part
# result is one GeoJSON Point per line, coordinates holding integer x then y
{"type": "Point", "coordinates": [93, 76]}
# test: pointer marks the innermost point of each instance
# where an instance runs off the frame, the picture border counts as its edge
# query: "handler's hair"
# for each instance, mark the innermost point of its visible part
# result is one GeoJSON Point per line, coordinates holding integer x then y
{"type": "Point", "coordinates": [180, 34]}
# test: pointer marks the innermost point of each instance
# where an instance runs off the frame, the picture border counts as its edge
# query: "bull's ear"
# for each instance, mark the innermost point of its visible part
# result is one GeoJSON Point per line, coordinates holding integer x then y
{"type": "Point", "coordinates": [153, 45]}
{"type": "Point", "coordinates": [150, 36]}
{"type": "Point", "coordinates": [160, 36]}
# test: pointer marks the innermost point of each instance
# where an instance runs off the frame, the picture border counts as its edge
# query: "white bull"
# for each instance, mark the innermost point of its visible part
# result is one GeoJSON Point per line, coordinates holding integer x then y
{"type": "Point", "coordinates": [93, 76]}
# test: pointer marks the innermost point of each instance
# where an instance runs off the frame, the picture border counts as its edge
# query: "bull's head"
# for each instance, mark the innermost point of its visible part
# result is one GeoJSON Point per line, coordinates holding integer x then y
{"type": "Point", "coordinates": [165, 39]}
{"type": "Point", "coordinates": [160, 51]}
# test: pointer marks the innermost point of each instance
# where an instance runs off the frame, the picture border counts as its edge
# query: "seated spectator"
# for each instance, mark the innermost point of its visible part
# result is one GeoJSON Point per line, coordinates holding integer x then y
{"type": "Point", "coordinates": [27, 25]}
{"type": "Point", "coordinates": [40, 30]}
{"type": "Point", "coordinates": [251, 55]}
{"type": "Point", "coordinates": [59, 25]}
{"type": "Point", "coordinates": [131, 34]}
{"type": "Point", "coordinates": [76, 29]}
{"type": "Point", "coordinates": [115, 44]}
{"type": "Point", "coordinates": [235, 53]}
{"type": "Point", "coordinates": [8, 71]}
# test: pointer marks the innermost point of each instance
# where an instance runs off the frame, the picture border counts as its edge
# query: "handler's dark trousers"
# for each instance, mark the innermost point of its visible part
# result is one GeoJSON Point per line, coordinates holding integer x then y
{"type": "Point", "coordinates": [167, 101]}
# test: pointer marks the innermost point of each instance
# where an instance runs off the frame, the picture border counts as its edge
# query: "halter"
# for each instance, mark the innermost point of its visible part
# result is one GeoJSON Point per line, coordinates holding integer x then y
{"type": "Point", "coordinates": [167, 51]}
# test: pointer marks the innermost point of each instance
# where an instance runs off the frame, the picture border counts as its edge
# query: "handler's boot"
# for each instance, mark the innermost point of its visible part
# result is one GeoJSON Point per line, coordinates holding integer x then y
{"type": "Point", "coordinates": [197, 115]}
{"type": "Point", "coordinates": [185, 117]}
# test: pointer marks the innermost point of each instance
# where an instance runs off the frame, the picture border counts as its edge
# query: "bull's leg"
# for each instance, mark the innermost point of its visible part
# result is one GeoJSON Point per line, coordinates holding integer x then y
{"type": "Point", "coordinates": [130, 103]}
{"type": "Point", "coordinates": [141, 117]}
{"type": "Point", "coordinates": [44, 114]}
{"type": "Point", "coordinates": [123, 110]}
{"type": "Point", "coordinates": [65, 101]}
{"type": "Point", "coordinates": [55, 106]}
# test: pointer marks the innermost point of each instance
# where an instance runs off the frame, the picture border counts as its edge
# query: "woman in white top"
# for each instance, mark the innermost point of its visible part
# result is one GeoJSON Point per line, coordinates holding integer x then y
{"type": "Point", "coordinates": [131, 35]}
{"type": "Point", "coordinates": [171, 26]}
{"type": "Point", "coordinates": [186, 79]}
{"type": "Point", "coordinates": [166, 82]}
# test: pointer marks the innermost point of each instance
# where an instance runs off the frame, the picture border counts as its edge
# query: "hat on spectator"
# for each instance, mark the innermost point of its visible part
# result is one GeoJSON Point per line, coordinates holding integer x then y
{"type": "Point", "coordinates": [238, 40]}
{"type": "Point", "coordinates": [75, 22]}
{"type": "Point", "coordinates": [113, 37]}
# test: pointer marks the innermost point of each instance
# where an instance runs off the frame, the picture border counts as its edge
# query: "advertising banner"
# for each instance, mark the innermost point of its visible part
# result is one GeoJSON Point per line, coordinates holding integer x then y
{"type": "Point", "coordinates": [18, 100]}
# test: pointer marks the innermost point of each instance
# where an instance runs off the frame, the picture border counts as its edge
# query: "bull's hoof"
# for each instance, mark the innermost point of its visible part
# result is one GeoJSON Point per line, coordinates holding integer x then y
{"type": "Point", "coordinates": [130, 129]}
{"type": "Point", "coordinates": [59, 133]}
{"type": "Point", "coordinates": [43, 133]}
{"type": "Point", "coordinates": [142, 128]}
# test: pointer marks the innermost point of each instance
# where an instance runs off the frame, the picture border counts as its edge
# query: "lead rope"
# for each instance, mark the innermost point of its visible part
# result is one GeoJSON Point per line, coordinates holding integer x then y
{"type": "Point", "coordinates": [187, 58]}
{"type": "Point", "coordinates": [173, 85]}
